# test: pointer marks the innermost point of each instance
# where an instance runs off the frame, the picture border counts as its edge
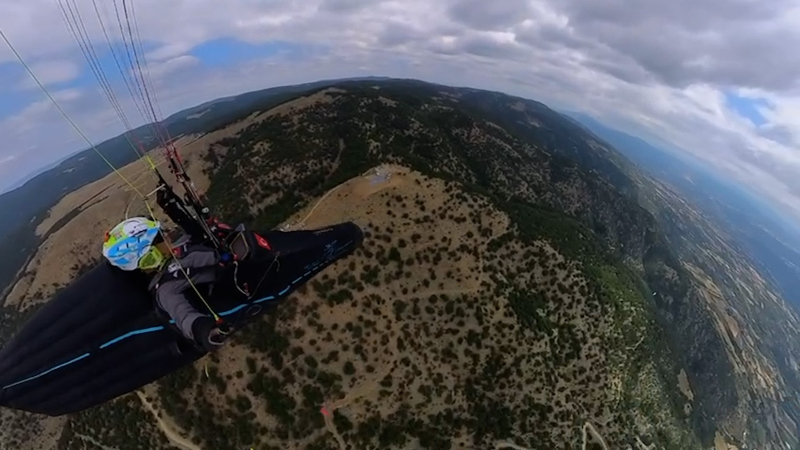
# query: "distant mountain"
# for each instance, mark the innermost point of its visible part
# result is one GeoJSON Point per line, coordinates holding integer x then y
{"type": "Point", "coordinates": [767, 236]}
{"type": "Point", "coordinates": [24, 179]}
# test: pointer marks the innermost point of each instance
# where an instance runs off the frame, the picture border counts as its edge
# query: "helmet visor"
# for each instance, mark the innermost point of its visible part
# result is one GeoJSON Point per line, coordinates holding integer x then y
{"type": "Point", "coordinates": [153, 259]}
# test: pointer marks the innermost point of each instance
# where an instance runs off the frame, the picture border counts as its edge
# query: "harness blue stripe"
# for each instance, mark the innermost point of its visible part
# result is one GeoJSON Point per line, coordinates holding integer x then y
{"type": "Point", "coordinates": [231, 311]}
{"type": "Point", "coordinates": [265, 299]}
{"type": "Point", "coordinates": [131, 333]}
{"type": "Point", "coordinates": [85, 355]}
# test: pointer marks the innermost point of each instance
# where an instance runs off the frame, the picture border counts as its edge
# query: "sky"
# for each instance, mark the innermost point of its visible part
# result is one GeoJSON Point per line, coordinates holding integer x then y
{"type": "Point", "coordinates": [718, 79]}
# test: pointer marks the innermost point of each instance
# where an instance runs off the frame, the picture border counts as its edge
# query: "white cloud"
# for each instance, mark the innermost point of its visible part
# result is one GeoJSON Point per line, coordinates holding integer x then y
{"type": "Point", "coordinates": [7, 158]}
{"type": "Point", "coordinates": [660, 69]}
{"type": "Point", "coordinates": [66, 95]}
{"type": "Point", "coordinates": [163, 68]}
{"type": "Point", "coordinates": [51, 72]}
{"type": "Point", "coordinates": [169, 51]}
{"type": "Point", "coordinates": [38, 119]}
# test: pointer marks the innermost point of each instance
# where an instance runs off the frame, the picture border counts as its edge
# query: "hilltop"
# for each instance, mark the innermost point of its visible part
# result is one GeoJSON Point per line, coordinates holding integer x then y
{"type": "Point", "coordinates": [521, 282]}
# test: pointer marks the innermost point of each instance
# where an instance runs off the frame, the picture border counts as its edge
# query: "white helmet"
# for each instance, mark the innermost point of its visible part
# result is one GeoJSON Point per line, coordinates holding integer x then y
{"type": "Point", "coordinates": [129, 245]}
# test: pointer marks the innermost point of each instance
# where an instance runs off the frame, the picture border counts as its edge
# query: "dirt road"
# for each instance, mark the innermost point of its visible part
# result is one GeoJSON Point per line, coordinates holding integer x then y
{"type": "Point", "coordinates": [168, 430]}
{"type": "Point", "coordinates": [94, 442]}
{"type": "Point", "coordinates": [502, 445]}
{"type": "Point", "coordinates": [597, 437]}
{"type": "Point", "coordinates": [363, 389]}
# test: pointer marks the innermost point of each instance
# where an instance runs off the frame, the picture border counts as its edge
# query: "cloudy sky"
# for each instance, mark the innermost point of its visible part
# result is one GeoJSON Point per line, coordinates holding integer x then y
{"type": "Point", "coordinates": [716, 78]}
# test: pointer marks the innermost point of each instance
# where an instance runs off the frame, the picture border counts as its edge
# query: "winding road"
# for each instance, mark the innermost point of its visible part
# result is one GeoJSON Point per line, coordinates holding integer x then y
{"type": "Point", "coordinates": [176, 439]}
{"type": "Point", "coordinates": [597, 437]}
{"type": "Point", "coordinates": [94, 441]}
{"type": "Point", "coordinates": [359, 391]}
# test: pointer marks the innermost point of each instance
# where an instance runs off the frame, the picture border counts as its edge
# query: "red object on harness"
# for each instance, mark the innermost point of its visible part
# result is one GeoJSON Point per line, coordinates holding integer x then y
{"type": "Point", "coordinates": [262, 242]}
{"type": "Point", "coordinates": [179, 251]}
{"type": "Point", "coordinates": [221, 229]}
{"type": "Point", "coordinates": [223, 225]}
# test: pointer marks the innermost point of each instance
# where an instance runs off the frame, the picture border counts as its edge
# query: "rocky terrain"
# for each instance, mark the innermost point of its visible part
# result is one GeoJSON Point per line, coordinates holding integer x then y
{"type": "Point", "coordinates": [521, 284]}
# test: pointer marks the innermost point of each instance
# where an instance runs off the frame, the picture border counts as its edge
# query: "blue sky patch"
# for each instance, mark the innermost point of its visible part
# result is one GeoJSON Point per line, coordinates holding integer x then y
{"type": "Point", "coordinates": [15, 99]}
{"type": "Point", "coordinates": [747, 107]}
{"type": "Point", "coordinates": [227, 51]}
{"type": "Point", "coordinates": [223, 52]}
{"type": "Point", "coordinates": [13, 77]}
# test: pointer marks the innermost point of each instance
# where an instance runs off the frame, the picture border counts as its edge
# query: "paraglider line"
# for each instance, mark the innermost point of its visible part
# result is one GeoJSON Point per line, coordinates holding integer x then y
{"type": "Point", "coordinates": [85, 355]}
{"type": "Point", "coordinates": [116, 58]}
{"type": "Point", "coordinates": [63, 113]}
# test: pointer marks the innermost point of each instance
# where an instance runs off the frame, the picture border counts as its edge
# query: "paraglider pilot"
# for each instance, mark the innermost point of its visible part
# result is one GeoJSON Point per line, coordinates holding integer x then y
{"type": "Point", "coordinates": [138, 244]}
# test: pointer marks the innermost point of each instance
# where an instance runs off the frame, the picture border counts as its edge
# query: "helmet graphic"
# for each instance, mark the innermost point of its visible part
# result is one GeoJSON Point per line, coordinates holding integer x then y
{"type": "Point", "coordinates": [129, 245]}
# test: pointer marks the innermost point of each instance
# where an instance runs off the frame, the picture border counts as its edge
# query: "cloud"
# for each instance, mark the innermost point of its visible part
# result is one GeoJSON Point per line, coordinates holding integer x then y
{"type": "Point", "coordinates": [168, 51]}
{"type": "Point", "coordinates": [725, 42]}
{"type": "Point", "coordinates": [490, 16]}
{"type": "Point", "coordinates": [31, 118]}
{"type": "Point", "coordinates": [7, 158]}
{"type": "Point", "coordinates": [344, 6]}
{"type": "Point", "coordinates": [163, 68]}
{"type": "Point", "coordinates": [398, 33]}
{"type": "Point", "coordinates": [664, 70]}
{"type": "Point", "coordinates": [51, 72]}
{"type": "Point", "coordinates": [37, 135]}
